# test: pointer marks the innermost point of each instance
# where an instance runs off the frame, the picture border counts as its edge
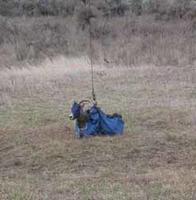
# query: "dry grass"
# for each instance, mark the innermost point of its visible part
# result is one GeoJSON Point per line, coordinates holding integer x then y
{"type": "Point", "coordinates": [41, 159]}
{"type": "Point", "coordinates": [127, 40]}
{"type": "Point", "coordinates": [149, 78]}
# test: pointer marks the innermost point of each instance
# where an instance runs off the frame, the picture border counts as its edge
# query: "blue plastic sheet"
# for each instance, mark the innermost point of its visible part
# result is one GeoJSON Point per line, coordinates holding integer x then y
{"type": "Point", "coordinates": [100, 123]}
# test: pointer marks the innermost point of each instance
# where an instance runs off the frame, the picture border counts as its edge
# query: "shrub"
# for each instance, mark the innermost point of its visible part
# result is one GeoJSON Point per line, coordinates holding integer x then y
{"type": "Point", "coordinates": [117, 7]}
{"type": "Point", "coordinates": [37, 7]}
{"type": "Point", "coordinates": [183, 8]}
{"type": "Point", "coordinates": [171, 9]}
{"type": "Point", "coordinates": [136, 6]}
{"type": "Point", "coordinates": [84, 17]}
{"type": "Point", "coordinates": [9, 8]}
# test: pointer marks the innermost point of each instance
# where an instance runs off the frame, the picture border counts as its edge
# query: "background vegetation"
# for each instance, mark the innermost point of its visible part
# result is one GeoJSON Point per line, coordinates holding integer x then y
{"type": "Point", "coordinates": [174, 8]}
{"type": "Point", "coordinates": [124, 32]}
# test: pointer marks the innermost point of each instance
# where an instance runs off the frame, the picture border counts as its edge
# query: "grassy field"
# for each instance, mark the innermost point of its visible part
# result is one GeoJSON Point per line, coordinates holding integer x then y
{"type": "Point", "coordinates": [154, 160]}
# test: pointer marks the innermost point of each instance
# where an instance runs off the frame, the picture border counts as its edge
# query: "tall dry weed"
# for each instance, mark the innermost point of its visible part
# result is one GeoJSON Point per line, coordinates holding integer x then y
{"type": "Point", "coordinates": [128, 40]}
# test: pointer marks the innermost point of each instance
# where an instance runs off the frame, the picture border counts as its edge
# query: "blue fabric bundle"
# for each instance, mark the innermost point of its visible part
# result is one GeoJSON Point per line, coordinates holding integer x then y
{"type": "Point", "coordinates": [99, 123]}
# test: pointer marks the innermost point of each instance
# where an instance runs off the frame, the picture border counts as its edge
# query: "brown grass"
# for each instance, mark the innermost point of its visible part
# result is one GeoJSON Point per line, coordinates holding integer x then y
{"type": "Point", "coordinates": [41, 159]}
{"type": "Point", "coordinates": [149, 77]}
{"type": "Point", "coordinates": [127, 40]}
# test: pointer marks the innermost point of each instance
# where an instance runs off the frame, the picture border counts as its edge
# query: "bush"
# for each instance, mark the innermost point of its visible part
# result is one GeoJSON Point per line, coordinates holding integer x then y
{"type": "Point", "coordinates": [183, 8]}
{"type": "Point", "coordinates": [84, 17]}
{"type": "Point", "coordinates": [9, 8]}
{"type": "Point", "coordinates": [29, 8]}
{"type": "Point", "coordinates": [37, 7]}
{"type": "Point", "coordinates": [166, 9]}
{"type": "Point", "coordinates": [136, 6]}
{"type": "Point", "coordinates": [117, 8]}
{"type": "Point", "coordinates": [171, 9]}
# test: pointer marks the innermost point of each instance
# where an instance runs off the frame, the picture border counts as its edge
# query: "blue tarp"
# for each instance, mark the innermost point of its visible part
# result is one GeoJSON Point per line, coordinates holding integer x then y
{"type": "Point", "coordinates": [100, 123]}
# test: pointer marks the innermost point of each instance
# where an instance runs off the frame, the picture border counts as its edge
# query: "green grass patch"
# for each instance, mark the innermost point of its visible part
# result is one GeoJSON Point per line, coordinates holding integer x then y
{"type": "Point", "coordinates": [31, 115]}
